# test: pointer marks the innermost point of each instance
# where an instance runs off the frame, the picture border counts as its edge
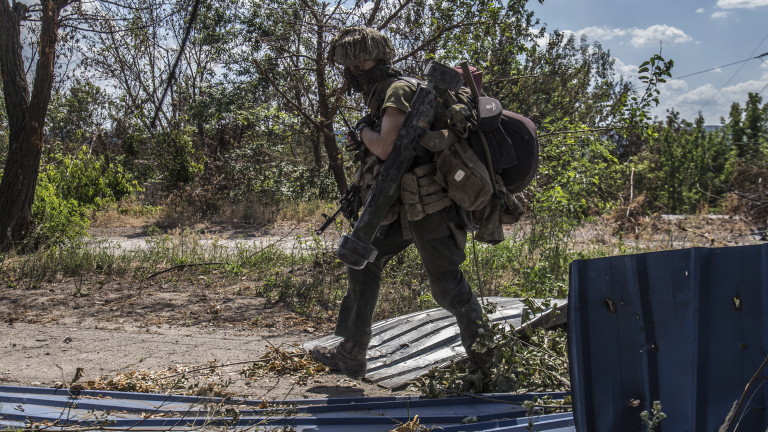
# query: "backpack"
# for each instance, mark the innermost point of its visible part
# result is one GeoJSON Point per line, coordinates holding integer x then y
{"type": "Point", "coordinates": [513, 147]}
{"type": "Point", "coordinates": [505, 145]}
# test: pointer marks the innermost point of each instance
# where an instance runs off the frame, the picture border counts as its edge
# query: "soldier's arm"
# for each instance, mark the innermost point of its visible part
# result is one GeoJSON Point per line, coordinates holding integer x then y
{"type": "Point", "coordinates": [381, 143]}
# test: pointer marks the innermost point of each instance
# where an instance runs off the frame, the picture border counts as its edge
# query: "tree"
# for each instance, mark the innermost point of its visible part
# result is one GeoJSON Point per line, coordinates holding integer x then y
{"type": "Point", "coordinates": [26, 106]}
{"type": "Point", "coordinates": [26, 109]}
{"type": "Point", "coordinates": [734, 125]}
{"type": "Point", "coordinates": [685, 168]}
{"type": "Point", "coordinates": [755, 122]}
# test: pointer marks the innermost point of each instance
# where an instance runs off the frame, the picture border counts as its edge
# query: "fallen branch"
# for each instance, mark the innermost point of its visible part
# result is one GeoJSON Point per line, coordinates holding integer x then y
{"type": "Point", "coordinates": [182, 267]}
{"type": "Point", "coordinates": [737, 406]}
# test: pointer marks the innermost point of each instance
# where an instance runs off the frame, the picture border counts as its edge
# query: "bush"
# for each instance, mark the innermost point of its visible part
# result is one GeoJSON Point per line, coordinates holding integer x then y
{"type": "Point", "coordinates": [685, 169]}
{"type": "Point", "coordinates": [177, 156]}
{"type": "Point", "coordinates": [57, 219]}
{"type": "Point", "coordinates": [89, 180]}
{"type": "Point", "coordinates": [71, 187]}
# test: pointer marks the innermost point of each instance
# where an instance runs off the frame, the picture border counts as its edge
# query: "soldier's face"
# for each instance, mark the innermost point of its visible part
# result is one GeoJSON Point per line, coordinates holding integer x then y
{"type": "Point", "coordinates": [363, 65]}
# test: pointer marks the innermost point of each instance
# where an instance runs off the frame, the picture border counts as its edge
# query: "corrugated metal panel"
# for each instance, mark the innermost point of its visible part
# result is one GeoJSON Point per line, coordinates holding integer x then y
{"type": "Point", "coordinates": [117, 410]}
{"type": "Point", "coordinates": [687, 328]}
{"type": "Point", "coordinates": [406, 347]}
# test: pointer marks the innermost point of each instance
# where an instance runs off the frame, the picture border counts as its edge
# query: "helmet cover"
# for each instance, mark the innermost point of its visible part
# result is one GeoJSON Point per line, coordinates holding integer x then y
{"type": "Point", "coordinates": [356, 44]}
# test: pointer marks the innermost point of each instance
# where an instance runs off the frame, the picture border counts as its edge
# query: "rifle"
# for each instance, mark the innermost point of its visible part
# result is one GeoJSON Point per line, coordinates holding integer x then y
{"type": "Point", "coordinates": [348, 205]}
{"type": "Point", "coordinates": [355, 249]}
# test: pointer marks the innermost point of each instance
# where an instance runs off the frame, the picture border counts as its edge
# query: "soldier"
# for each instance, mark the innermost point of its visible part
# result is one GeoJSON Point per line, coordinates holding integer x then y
{"type": "Point", "coordinates": [435, 228]}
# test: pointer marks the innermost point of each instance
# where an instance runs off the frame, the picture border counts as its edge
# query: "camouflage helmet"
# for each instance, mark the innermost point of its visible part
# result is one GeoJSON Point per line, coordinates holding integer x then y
{"type": "Point", "coordinates": [357, 44]}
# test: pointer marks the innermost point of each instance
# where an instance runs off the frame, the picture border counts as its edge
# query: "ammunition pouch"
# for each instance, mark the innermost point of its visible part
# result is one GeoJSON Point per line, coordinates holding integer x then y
{"type": "Point", "coordinates": [421, 194]}
{"type": "Point", "coordinates": [462, 174]}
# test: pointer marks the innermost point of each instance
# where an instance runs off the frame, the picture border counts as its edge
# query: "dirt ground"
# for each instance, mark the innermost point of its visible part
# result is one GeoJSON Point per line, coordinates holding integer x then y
{"type": "Point", "coordinates": [120, 333]}
{"type": "Point", "coordinates": [69, 331]}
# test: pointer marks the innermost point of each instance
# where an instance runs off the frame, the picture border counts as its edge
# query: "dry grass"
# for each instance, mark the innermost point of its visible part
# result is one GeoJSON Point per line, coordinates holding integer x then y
{"type": "Point", "coordinates": [178, 379]}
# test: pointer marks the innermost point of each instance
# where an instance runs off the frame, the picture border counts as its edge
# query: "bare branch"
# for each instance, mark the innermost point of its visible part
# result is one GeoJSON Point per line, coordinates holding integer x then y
{"type": "Point", "coordinates": [433, 39]}
{"type": "Point", "coordinates": [288, 99]}
{"type": "Point", "coordinates": [394, 14]}
{"type": "Point", "coordinates": [374, 12]}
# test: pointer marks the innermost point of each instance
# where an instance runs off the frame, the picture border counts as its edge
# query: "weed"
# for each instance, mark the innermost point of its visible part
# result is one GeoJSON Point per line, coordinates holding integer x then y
{"type": "Point", "coordinates": [652, 419]}
{"type": "Point", "coordinates": [413, 425]}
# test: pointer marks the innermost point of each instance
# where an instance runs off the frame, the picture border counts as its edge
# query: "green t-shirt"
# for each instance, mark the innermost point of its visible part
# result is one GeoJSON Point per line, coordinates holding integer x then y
{"type": "Point", "coordinates": [399, 95]}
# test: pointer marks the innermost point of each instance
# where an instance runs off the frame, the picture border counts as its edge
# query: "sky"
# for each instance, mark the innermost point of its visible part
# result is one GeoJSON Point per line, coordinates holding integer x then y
{"type": "Point", "coordinates": [698, 35]}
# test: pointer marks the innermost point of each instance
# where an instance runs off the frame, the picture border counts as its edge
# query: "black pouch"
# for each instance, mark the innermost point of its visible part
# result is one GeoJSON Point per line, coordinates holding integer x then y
{"type": "Point", "coordinates": [488, 113]}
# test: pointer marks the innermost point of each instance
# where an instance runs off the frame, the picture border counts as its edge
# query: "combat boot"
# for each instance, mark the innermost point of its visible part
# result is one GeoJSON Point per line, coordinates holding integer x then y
{"type": "Point", "coordinates": [348, 356]}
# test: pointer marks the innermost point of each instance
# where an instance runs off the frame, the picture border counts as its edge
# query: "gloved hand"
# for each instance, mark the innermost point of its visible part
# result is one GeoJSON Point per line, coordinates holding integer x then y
{"type": "Point", "coordinates": [354, 143]}
{"type": "Point", "coordinates": [366, 120]}
{"type": "Point", "coordinates": [354, 140]}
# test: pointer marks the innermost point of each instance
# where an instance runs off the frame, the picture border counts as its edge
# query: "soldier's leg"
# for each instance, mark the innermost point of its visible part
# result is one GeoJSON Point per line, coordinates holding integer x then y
{"type": "Point", "coordinates": [440, 242]}
{"type": "Point", "coordinates": [358, 305]}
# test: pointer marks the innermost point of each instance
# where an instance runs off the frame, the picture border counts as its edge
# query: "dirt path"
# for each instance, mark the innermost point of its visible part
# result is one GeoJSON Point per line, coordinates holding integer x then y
{"type": "Point", "coordinates": [50, 355]}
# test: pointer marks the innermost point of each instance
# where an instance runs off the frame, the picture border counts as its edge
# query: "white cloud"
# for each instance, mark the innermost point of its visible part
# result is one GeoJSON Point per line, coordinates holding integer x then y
{"type": "Point", "coordinates": [659, 33]}
{"type": "Point", "coordinates": [626, 70]}
{"type": "Point", "coordinates": [646, 37]}
{"type": "Point", "coordinates": [700, 10]}
{"type": "Point", "coordinates": [699, 95]}
{"type": "Point", "coordinates": [739, 91]}
{"type": "Point", "coordinates": [734, 4]}
{"type": "Point", "coordinates": [603, 33]}
{"type": "Point", "coordinates": [707, 99]}
{"type": "Point", "coordinates": [674, 86]}
{"type": "Point", "coordinates": [720, 14]}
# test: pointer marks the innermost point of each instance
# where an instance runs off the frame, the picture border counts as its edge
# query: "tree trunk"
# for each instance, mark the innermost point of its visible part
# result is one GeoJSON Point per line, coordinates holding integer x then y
{"type": "Point", "coordinates": [335, 160]}
{"type": "Point", "coordinates": [26, 116]}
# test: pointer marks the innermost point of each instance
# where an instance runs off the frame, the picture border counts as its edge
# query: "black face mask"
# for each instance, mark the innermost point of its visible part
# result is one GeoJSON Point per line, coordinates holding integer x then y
{"type": "Point", "coordinates": [363, 81]}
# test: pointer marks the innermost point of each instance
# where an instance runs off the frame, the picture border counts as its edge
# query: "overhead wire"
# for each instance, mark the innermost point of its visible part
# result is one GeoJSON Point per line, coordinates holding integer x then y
{"type": "Point", "coordinates": [766, 84]}
{"type": "Point", "coordinates": [723, 66]}
{"type": "Point", "coordinates": [752, 55]}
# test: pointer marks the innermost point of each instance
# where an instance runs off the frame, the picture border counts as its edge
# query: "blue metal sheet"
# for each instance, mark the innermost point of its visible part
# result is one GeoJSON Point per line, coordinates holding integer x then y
{"type": "Point", "coordinates": [686, 327]}
{"type": "Point", "coordinates": [502, 412]}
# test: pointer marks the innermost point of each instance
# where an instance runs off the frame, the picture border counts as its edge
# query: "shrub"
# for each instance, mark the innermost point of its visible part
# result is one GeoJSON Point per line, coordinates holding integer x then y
{"type": "Point", "coordinates": [177, 156]}
{"type": "Point", "coordinates": [57, 219]}
{"type": "Point", "coordinates": [71, 187]}
{"type": "Point", "coordinates": [89, 180]}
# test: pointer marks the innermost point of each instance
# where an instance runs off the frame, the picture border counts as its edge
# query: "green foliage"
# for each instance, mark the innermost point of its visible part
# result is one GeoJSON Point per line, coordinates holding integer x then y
{"type": "Point", "coordinates": [58, 219]}
{"type": "Point", "coordinates": [89, 180]}
{"type": "Point", "coordinates": [653, 72]}
{"type": "Point", "coordinates": [535, 360]}
{"type": "Point", "coordinates": [177, 157]}
{"type": "Point", "coordinates": [685, 169]}
{"type": "Point", "coordinates": [68, 189]}
{"type": "Point", "coordinates": [563, 78]}
{"type": "Point", "coordinates": [748, 129]}
{"type": "Point", "coordinates": [77, 115]}
{"type": "Point", "coordinates": [652, 419]}
{"type": "Point", "coordinates": [579, 177]}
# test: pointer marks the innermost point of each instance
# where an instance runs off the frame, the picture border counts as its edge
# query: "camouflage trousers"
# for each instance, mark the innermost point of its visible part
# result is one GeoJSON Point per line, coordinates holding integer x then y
{"type": "Point", "coordinates": [440, 243]}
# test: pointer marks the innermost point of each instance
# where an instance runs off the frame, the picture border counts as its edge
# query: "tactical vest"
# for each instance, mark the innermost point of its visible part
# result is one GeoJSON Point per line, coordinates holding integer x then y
{"type": "Point", "coordinates": [449, 171]}
{"type": "Point", "coordinates": [420, 193]}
